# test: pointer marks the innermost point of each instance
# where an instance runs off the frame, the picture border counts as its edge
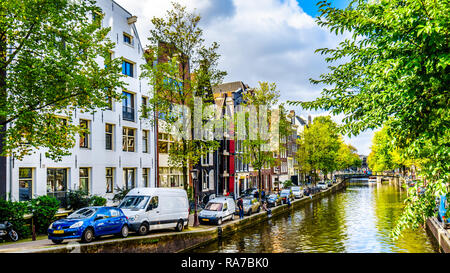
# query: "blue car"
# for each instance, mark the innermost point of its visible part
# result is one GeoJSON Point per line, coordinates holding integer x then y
{"type": "Point", "coordinates": [442, 210]}
{"type": "Point", "coordinates": [88, 223]}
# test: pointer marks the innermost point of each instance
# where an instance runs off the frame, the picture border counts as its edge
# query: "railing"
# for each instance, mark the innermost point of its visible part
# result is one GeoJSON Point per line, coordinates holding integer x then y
{"type": "Point", "coordinates": [128, 113]}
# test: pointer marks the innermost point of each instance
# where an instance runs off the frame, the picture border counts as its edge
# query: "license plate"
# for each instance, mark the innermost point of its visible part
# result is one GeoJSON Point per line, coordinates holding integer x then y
{"type": "Point", "coordinates": [58, 231]}
{"type": "Point", "coordinates": [206, 219]}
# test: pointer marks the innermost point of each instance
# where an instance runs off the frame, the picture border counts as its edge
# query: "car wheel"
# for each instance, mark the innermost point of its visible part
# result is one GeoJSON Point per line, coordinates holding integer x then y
{"type": "Point", "coordinates": [259, 209]}
{"type": "Point", "coordinates": [179, 226]}
{"type": "Point", "coordinates": [88, 235]}
{"type": "Point", "coordinates": [124, 231]}
{"type": "Point", "coordinates": [143, 229]}
{"type": "Point", "coordinates": [55, 241]}
{"type": "Point", "coordinates": [249, 212]}
{"type": "Point", "coordinates": [232, 217]}
{"type": "Point", "coordinates": [13, 235]}
{"type": "Point", "coordinates": [219, 222]}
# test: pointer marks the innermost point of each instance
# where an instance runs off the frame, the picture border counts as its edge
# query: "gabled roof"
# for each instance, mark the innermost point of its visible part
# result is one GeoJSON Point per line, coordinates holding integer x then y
{"type": "Point", "coordinates": [229, 87]}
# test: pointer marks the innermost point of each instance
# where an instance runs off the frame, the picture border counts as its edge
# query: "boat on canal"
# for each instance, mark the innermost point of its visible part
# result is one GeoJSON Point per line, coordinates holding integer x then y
{"type": "Point", "coordinates": [372, 179]}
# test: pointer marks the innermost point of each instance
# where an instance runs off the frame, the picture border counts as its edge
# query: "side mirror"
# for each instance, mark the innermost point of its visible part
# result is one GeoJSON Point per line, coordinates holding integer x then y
{"type": "Point", "coordinates": [99, 217]}
{"type": "Point", "coordinates": [150, 207]}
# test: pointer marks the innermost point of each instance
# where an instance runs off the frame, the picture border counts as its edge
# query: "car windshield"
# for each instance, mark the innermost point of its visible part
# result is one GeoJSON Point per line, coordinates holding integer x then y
{"type": "Point", "coordinates": [246, 201]}
{"type": "Point", "coordinates": [295, 189]}
{"type": "Point", "coordinates": [284, 192]}
{"type": "Point", "coordinates": [134, 202]}
{"type": "Point", "coordinates": [82, 213]}
{"type": "Point", "coordinates": [273, 196]}
{"type": "Point", "coordinates": [214, 206]}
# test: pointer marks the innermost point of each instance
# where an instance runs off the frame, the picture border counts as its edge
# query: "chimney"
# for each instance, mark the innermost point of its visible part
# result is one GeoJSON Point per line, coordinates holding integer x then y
{"type": "Point", "coordinates": [309, 119]}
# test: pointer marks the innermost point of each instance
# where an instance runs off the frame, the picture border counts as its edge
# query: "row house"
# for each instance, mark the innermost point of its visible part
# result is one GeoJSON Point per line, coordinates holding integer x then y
{"type": "Point", "coordinates": [118, 150]}
{"type": "Point", "coordinates": [299, 176]}
{"type": "Point", "coordinates": [233, 173]}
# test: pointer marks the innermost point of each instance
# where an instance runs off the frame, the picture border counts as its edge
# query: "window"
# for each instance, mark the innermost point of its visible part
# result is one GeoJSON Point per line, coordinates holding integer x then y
{"type": "Point", "coordinates": [144, 107]}
{"type": "Point", "coordinates": [57, 184]}
{"type": "Point", "coordinates": [128, 39]}
{"type": "Point", "coordinates": [154, 202]}
{"type": "Point", "coordinates": [84, 136]}
{"type": "Point", "coordinates": [163, 142]}
{"type": "Point", "coordinates": [114, 212]}
{"type": "Point", "coordinates": [128, 106]}
{"type": "Point", "coordinates": [84, 180]}
{"type": "Point", "coordinates": [109, 180]}
{"type": "Point", "coordinates": [145, 177]}
{"type": "Point", "coordinates": [145, 141]}
{"type": "Point", "coordinates": [25, 184]}
{"type": "Point", "coordinates": [128, 139]}
{"type": "Point", "coordinates": [205, 179]}
{"type": "Point", "coordinates": [109, 130]}
{"type": "Point", "coordinates": [129, 178]}
{"type": "Point", "coordinates": [127, 68]}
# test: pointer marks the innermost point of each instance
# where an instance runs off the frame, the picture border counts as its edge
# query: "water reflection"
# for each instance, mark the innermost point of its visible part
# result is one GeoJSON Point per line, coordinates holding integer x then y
{"type": "Point", "coordinates": [358, 219]}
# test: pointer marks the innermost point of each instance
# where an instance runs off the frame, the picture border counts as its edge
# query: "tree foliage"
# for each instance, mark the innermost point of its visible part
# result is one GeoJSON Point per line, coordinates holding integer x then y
{"type": "Point", "coordinates": [181, 67]}
{"type": "Point", "coordinates": [394, 69]}
{"type": "Point", "coordinates": [48, 67]}
{"type": "Point", "coordinates": [320, 147]}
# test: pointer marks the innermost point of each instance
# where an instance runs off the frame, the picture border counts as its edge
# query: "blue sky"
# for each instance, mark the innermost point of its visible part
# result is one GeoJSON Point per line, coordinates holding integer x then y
{"type": "Point", "coordinates": [310, 7]}
{"type": "Point", "coordinates": [262, 40]}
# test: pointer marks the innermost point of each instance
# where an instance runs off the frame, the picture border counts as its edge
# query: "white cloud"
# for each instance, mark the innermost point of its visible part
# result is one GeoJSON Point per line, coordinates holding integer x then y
{"type": "Point", "coordinates": [260, 40]}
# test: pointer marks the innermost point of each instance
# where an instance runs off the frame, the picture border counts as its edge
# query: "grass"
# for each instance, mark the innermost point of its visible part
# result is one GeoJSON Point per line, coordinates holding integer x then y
{"type": "Point", "coordinates": [38, 237]}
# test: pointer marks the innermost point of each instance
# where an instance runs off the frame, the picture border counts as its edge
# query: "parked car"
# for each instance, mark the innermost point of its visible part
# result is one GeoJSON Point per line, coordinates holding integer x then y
{"type": "Point", "coordinates": [442, 211]}
{"type": "Point", "coordinates": [156, 208]}
{"type": "Point", "coordinates": [297, 191]}
{"type": "Point", "coordinates": [251, 205]}
{"type": "Point", "coordinates": [329, 184]}
{"type": "Point", "coordinates": [218, 210]}
{"type": "Point", "coordinates": [274, 200]}
{"type": "Point", "coordinates": [322, 185]}
{"type": "Point", "coordinates": [88, 223]}
{"type": "Point", "coordinates": [285, 194]}
{"type": "Point", "coordinates": [250, 191]}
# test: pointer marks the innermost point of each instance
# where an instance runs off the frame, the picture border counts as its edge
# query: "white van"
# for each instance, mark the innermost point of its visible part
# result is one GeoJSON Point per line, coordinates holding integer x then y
{"type": "Point", "coordinates": [218, 210]}
{"type": "Point", "coordinates": [156, 208]}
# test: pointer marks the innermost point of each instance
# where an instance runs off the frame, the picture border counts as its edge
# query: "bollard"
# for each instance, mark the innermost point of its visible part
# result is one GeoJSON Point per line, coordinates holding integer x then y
{"type": "Point", "coordinates": [33, 230]}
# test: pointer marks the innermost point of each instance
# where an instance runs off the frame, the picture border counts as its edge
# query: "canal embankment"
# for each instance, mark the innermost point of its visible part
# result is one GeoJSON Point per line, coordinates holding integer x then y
{"type": "Point", "coordinates": [439, 234]}
{"type": "Point", "coordinates": [170, 242]}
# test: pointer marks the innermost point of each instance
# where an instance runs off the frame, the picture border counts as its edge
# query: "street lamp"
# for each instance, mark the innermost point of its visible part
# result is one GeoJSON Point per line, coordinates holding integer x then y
{"type": "Point", "coordinates": [194, 173]}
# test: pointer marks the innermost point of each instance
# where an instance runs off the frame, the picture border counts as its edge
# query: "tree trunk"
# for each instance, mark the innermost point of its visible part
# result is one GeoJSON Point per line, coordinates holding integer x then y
{"type": "Point", "coordinates": [185, 170]}
{"type": "Point", "coordinates": [259, 183]}
{"type": "Point", "coordinates": [3, 94]}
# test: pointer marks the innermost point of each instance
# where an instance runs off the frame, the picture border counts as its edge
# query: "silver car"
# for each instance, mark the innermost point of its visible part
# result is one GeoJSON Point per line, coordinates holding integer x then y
{"type": "Point", "coordinates": [297, 191]}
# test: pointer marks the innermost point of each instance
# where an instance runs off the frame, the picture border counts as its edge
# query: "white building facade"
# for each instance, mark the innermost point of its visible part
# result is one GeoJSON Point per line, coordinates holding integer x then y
{"type": "Point", "coordinates": [119, 150]}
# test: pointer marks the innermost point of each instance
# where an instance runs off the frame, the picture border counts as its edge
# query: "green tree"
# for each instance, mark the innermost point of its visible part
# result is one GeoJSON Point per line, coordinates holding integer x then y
{"type": "Point", "coordinates": [347, 157]}
{"type": "Point", "coordinates": [393, 69]}
{"type": "Point", "coordinates": [48, 68]}
{"type": "Point", "coordinates": [257, 150]}
{"type": "Point", "coordinates": [180, 67]}
{"type": "Point", "coordinates": [318, 146]}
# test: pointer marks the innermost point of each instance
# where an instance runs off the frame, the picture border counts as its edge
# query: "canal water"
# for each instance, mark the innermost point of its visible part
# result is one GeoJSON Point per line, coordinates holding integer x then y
{"type": "Point", "coordinates": [356, 220]}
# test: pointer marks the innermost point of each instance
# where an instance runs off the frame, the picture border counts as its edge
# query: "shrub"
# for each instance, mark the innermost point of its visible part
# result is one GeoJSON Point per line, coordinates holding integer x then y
{"type": "Point", "coordinates": [77, 200]}
{"type": "Point", "coordinates": [120, 194]}
{"type": "Point", "coordinates": [96, 200]}
{"type": "Point", "coordinates": [14, 212]}
{"type": "Point", "coordinates": [287, 184]}
{"type": "Point", "coordinates": [44, 209]}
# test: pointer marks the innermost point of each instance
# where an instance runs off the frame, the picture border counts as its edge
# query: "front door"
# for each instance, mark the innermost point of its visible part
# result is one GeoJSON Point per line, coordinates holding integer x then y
{"type": "Point", "coordinates": [154, 214]}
